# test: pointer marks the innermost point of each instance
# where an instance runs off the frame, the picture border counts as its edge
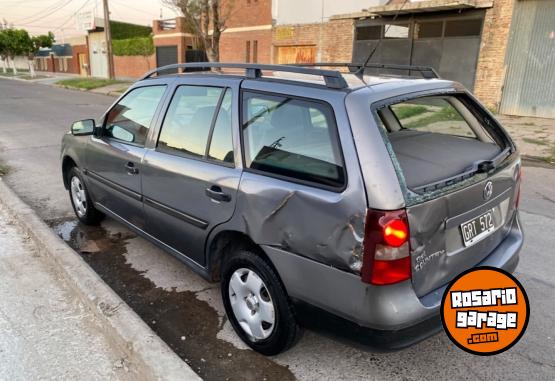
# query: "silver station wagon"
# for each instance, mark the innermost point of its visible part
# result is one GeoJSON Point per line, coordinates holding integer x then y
{"type": "Point", "coordinates": [330, 199]}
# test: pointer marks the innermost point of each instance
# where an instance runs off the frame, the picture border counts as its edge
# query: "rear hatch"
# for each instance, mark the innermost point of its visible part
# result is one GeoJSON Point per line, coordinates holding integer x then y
{"type": "Point", "coordinates": [460, 173]}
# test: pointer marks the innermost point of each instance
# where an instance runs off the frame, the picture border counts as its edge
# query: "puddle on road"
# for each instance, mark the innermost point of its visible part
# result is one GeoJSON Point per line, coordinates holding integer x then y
{"type": "Point", "coordinates": [172, 315]}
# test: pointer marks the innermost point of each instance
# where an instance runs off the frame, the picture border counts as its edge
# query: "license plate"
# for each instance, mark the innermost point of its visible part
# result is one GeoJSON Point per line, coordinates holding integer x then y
{"type": "Point", "coordinates": [478, 228]}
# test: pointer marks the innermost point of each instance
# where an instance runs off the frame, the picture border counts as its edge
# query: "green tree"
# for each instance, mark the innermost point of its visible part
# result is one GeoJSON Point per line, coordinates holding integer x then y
{"type": "Point", "coordinates": [18, 43]}
{"type": "Point", "coordinates": [3, 50]}
{"type": "Point", "coordinates": [207, 20]}
{"type": "Point", "coordinates": [37, 42]}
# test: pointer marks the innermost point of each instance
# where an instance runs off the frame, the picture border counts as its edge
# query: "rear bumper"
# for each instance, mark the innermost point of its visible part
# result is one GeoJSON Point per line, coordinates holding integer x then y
{"type": "Point", "coordinates": [379, 311]}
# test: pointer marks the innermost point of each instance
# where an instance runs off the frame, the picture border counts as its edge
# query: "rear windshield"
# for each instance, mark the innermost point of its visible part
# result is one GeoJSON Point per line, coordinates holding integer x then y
{"type": "Point", "coordinates": [439, 140]}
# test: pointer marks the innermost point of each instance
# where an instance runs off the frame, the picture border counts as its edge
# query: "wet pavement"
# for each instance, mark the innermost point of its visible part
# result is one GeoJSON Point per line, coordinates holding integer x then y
{"type": "Point", "coordinates": [186, 322]}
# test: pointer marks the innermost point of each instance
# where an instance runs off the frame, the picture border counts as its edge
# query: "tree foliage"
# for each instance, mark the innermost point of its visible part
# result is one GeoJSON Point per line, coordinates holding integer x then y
{"type": "Point", "coordinates": [16, 42]}
{"type": "Point", "coordinates": [42, 41]}
{"type": "Point", "coordinates": [207, 19]}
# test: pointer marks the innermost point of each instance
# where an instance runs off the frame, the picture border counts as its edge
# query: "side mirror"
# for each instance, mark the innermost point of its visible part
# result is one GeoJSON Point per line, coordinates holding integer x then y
{"type": "Point", "coordinates": [83, 127]}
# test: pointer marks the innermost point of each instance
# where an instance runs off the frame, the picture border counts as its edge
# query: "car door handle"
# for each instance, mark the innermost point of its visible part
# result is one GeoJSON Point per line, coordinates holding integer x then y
{"type": "Point", "coordinates": [216, 193]}
{"type": "Point", "coordinates": [131, 169]}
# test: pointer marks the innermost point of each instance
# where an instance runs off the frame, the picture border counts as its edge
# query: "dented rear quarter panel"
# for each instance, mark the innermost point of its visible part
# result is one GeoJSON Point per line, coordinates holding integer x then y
{"type": "Point", "coordinates": [324, 225]}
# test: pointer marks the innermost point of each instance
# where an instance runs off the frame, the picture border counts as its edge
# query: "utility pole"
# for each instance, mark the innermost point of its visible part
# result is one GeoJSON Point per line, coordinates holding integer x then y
{"type": "Point", "coordinates": [108, 33]}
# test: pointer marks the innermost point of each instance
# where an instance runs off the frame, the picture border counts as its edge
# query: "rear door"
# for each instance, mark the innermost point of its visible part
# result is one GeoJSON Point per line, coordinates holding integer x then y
{"type": "Point", "coordinates": [461, 179]}
{"type": "Point", "coordinates": [190, 178]}
{"type": "Point", "coordinates": [113, 162]}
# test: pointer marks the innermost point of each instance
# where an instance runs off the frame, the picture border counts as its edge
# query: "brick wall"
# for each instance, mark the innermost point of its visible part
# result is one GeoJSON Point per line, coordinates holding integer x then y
{"type": "Point", "coordinates": [133, 66]}
{"type": "Point", "coordinates": [247, 13]}
{"type": "Point", "coordinates": [233, 46]}
{"type": "Point", "coordinates": [490, 73]}
{"type": "Point", "coordinates": [333, 39]}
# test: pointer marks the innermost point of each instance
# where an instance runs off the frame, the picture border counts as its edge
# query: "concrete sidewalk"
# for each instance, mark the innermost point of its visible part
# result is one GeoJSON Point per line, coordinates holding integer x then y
{"type": "Point", "coordinates": [46, 332]}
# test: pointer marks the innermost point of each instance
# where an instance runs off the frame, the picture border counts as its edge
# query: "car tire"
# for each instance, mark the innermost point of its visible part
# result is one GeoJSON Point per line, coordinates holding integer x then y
{"type": "Point", "coordinates": [80, 200]}
{"type": "Point", "coordinates": [251, 291]}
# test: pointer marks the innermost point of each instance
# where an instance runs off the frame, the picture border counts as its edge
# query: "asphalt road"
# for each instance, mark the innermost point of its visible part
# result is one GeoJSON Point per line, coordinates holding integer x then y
{"type": "Point", "coordinates": [32, 121]}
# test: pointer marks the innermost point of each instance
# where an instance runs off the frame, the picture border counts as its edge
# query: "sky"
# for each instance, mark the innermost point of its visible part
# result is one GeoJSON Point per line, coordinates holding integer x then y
{"type": "Point", "coordinates": [59, 16]}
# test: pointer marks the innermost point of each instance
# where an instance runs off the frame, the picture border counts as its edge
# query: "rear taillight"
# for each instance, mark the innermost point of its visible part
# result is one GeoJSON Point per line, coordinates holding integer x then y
{"type": "Point", "coordinates": [386, 248]}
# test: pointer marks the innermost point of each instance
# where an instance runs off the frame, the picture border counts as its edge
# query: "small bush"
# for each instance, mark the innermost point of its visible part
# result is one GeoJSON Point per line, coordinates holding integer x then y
{"type": "Point", "coordinates": [139, 46]}
{"type": "Point", "coordinates": [123, 30]}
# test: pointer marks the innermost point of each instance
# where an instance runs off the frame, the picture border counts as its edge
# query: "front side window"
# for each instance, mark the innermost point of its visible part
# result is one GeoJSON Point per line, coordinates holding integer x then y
{"type": "Point", "coordinates": [189, 119]}
{"type": "Point", "coordinates": [130, 119]}
{"type": "Point", "coordinates": [292, 138]}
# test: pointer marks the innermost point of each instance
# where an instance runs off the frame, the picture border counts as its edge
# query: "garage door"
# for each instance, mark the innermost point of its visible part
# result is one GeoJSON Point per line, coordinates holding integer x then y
{"type": "Point", "coordinates": [296, 54]}
{"type": "Point", "coordinates": [529, 87]}
{"type": "Point", "coordinates": [166, 55]}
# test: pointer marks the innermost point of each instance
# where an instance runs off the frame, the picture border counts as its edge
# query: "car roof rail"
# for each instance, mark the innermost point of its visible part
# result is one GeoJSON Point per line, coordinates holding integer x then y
{"type": "Point", "coordinates": [332, 78]}
{"type": "Point", "coordinates": [427, 72]}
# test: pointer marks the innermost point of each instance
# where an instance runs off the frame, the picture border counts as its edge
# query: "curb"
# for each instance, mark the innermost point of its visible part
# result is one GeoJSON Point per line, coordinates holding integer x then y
{"type": "Point", "coordinates": [152, 358]}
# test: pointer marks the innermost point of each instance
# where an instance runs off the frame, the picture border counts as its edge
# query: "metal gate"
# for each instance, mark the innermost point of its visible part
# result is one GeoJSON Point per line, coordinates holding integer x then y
{"type": "Point", "coordinates": [166, 55]}
{"type": "Point", "coordinates": [447, 41]}
{"type": "Point", "coordinates": [98, 58]}
{"type": "Point", "coordinates": [529, 88]}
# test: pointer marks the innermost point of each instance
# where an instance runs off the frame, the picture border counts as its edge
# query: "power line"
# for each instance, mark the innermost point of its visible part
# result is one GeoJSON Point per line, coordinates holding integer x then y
{"type": "Point", "coordinates": [49, 11]}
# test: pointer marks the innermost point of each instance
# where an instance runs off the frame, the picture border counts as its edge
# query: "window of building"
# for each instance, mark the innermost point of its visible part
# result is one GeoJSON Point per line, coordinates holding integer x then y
{"type": "Point", "coordinates": [248, 52]}
{"type": "Point", "coordinates": [130, 119]}
{"type": "Point", "coordinates": [292, 138]}
{"type": "Point", "coordinates": [187, 124]}
{"type": "Point", "coordinates": [396, 31]}
{"type": "Point", "coordinates": [221, 144]}
{"type": "Point", "coordinates": [463, 28]}
{"type": "Point", "coordinates": [428, 29]}
{"type": "Point", "coordinates": [373, 32]}
{"type": "Point", "coordinates": [255, 51]}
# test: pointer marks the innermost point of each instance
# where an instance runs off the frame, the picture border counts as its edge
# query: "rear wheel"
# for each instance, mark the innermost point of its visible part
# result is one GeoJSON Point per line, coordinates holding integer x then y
{"type": "Point", "coordinates": [257, 304]}
{"type": "Point", "coordinates": [80, 200]}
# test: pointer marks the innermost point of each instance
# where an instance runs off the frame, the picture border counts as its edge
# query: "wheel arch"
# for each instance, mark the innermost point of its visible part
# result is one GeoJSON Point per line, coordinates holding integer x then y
{"type": "Point", "coordinates": [67, 163]}
{"type": "Point", "coordinates": [225, 242]}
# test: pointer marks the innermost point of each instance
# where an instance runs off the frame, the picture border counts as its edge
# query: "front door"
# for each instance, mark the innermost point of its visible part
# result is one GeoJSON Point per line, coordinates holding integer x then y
{"type": "Point", "coordinates": [113, 162]}
{"type": "Point", "coordinates": [190, 179]}
{"type": "Point", "coordinates": [82, 64]}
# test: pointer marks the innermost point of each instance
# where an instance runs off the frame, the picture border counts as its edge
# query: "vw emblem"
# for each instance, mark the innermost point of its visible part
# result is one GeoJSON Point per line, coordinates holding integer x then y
{"type": "Point", "coordinates": [488, 190]}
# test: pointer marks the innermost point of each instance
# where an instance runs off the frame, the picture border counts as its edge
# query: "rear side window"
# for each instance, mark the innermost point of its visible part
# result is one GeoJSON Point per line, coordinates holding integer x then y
{"type": "Point", "coordinates": [130, 119]}
{"type": "Point", "coordinates": [432, 114]}
{"type": "Point", "coordinates": [187, 124]}
{"type": "Point", "coordinates": [293, 138]}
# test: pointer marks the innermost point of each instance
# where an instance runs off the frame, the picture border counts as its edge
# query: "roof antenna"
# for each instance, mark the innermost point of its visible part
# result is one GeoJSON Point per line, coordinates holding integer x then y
{"type": "Point", "coordinates": [360, 72]}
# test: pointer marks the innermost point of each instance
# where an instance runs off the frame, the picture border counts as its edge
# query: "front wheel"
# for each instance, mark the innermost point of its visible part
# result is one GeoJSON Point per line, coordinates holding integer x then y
{"type": "Point", "coordinates": [80, 199]}
{"type": "Point", "coordinates": [257, 304]}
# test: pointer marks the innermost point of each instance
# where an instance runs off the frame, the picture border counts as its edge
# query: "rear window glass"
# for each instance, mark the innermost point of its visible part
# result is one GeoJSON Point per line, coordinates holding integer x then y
{"type": "Point", "coordinates": [432, 115]}
{"type": "Point", "coordinates": [437, 141]}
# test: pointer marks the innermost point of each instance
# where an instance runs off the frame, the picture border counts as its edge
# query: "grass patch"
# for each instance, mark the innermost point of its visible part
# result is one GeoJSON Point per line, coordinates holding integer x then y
{"type": "Point", "coordinates": [444, 114]}
{"type": "Point", "coordinates": [4, 169]}
{"type": "Point", "coordinates": [406, 111]}
{"type": "Point", "coordinates": [537, 142]}
{"type": "Point", "coordinates": [492, 109]}
{"type": "Point", "coordinates": [550, 158]}
{"type": "Point", "coordinates": [87, 83]}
